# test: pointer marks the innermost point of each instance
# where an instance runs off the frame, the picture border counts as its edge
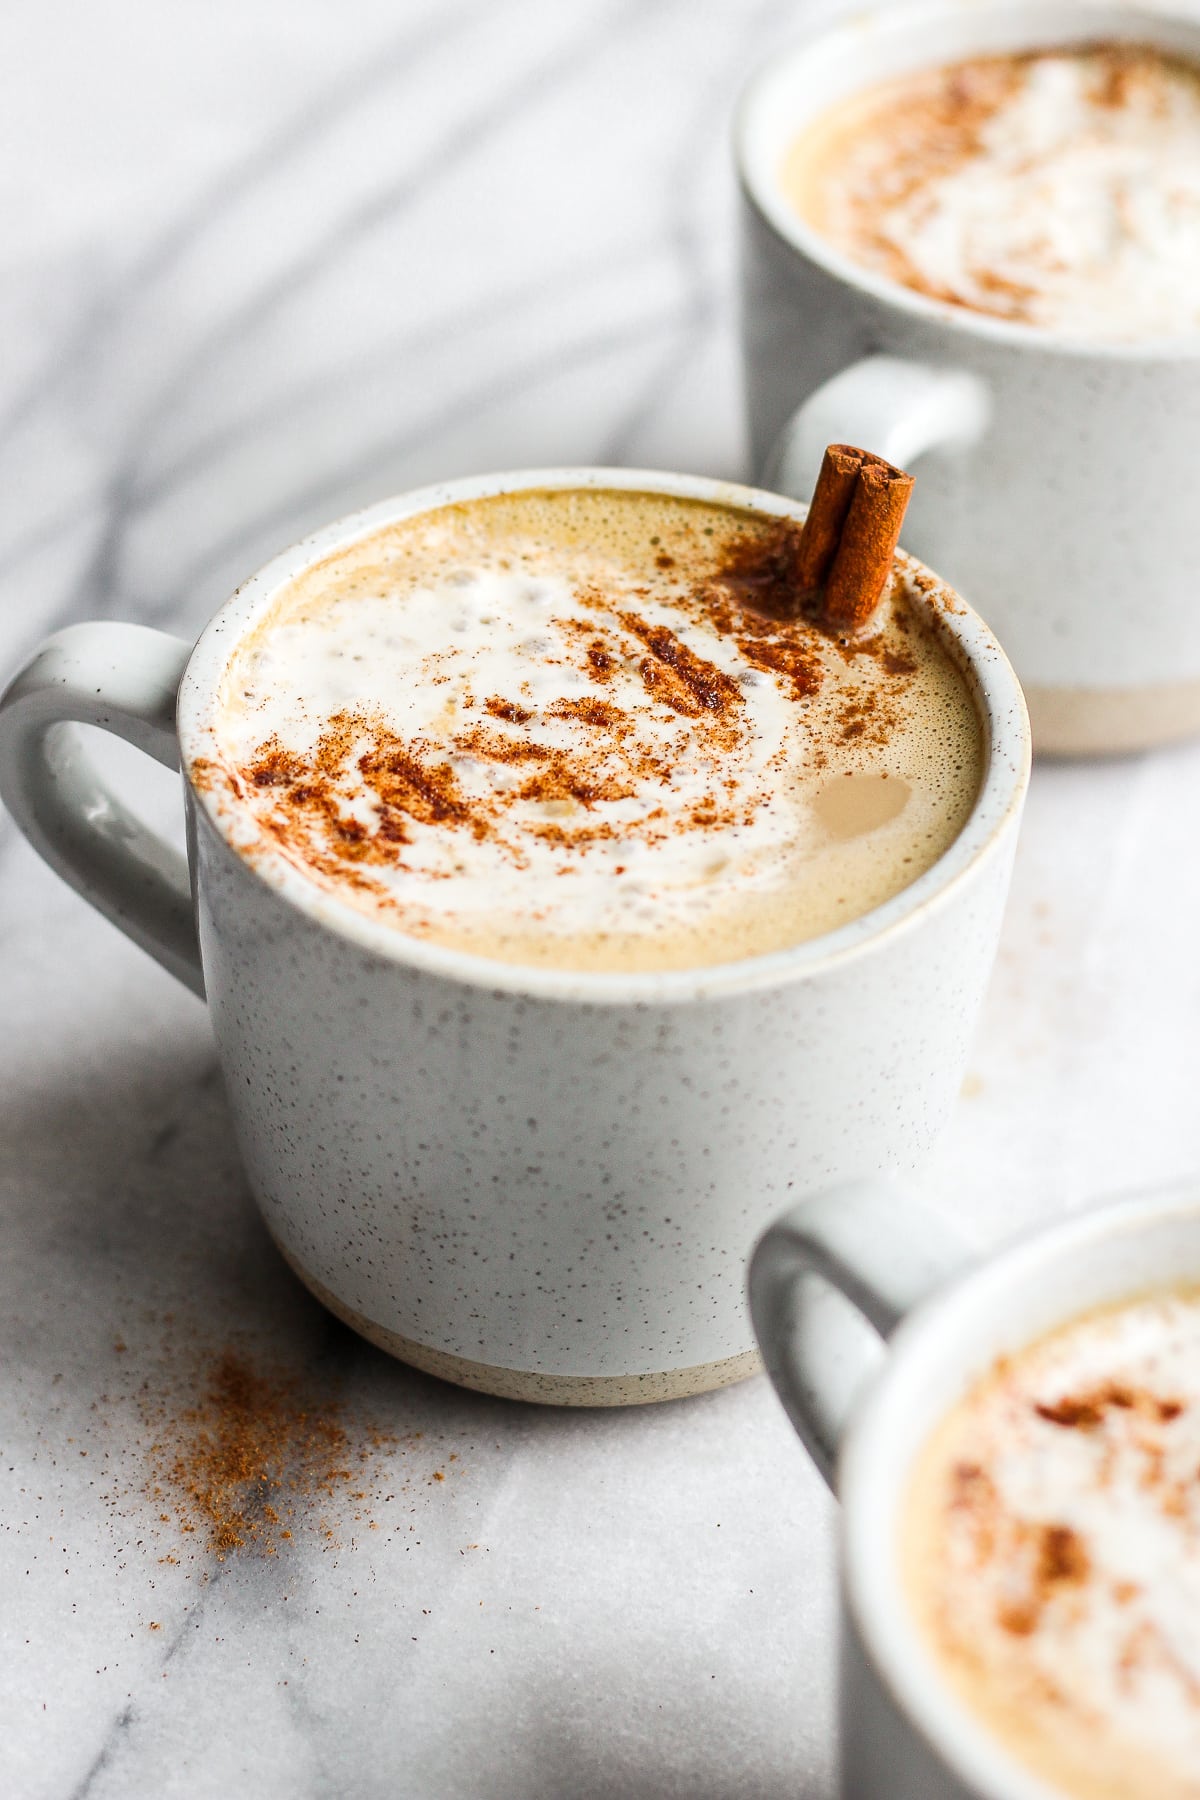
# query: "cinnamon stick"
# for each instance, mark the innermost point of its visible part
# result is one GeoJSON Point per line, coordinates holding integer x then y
{"type": "Point", "coordinates": [850, 536]}
{"type": "Point", "coordinates": [831, 499]}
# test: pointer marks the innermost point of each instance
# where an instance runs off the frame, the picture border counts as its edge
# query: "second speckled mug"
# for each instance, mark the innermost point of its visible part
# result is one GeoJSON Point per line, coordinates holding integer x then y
{"type": "Point", "coordinates": [1053, 474]}
{"type": "Point", "coordinates": [538, 1183]}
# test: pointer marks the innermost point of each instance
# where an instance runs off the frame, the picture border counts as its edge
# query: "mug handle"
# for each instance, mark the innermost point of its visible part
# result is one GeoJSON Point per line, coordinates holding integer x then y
{"type": "Point", "coordinates": [829, 1281]}
{"type": "Point", "coordinates": [896, 408]}
{"type": "Point", "coordinates": [123, 678]}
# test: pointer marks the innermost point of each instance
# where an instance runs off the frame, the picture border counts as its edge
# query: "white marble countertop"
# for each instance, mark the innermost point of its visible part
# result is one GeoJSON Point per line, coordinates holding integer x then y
{"type": "Point", "coordinates": [262, 264]}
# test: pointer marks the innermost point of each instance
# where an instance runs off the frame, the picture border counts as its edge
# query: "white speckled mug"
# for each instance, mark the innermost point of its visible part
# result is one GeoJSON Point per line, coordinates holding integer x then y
{"type": "Point", "coordinates": [1054, 487]}
{"type": "Point", "coordinates": [538, 1183]}
{"type": "Point", "coordinates": [829, 1283]}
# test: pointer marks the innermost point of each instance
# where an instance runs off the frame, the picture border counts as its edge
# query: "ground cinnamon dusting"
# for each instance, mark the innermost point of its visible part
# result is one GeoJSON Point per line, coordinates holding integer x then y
{"type": "Point", "coordinates": [1056, 1558]}
{"type": "Point", "coordinates": [762, 573]}
{"type": "Point", "coordinates": [352, 805]}
{"type": "Point", "coordinates": [933, 126]}
{"type": "Point", "coordinates": [750, 596]}
{"type": "Point", "coordinates": [1084, 1412]}
{"type": "Point", "coordinates": [677, 676]}
{"type": "Point", "coordinates": [508, 709]}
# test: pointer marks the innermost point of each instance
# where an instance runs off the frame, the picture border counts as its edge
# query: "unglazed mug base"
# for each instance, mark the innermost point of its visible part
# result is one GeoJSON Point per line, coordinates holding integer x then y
{"type": "Point", "coordinates": [530, 1384]}
{"type": "Point", "coordinates": [1070, 721]}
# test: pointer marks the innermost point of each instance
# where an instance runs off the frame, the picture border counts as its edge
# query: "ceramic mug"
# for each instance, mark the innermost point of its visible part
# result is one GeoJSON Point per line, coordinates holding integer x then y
{"type": "Point", "coordinates": [1047, 490]}
{"type": "Point", "coordinates": [530, 1181]}
{"type": "Point", "coordinates": [830, 1282]}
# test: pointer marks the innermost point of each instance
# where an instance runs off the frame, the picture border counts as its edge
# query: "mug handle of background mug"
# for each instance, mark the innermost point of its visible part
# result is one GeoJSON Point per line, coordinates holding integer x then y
{"type": "Point", "coordinates": [123, 678]}
{"type": "Point", "coordinates": [829, 1282]}
{"type": "Point", "coordinates": [896, 408]}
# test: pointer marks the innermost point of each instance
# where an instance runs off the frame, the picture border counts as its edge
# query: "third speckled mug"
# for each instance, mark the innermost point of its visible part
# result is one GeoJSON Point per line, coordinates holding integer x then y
{"type": "Point", "coordinates": [1014, 1445]}
{"type": "Point", "coordinates": [1053, 458]}
{"type": "Point", "coordinates": [534, 991]}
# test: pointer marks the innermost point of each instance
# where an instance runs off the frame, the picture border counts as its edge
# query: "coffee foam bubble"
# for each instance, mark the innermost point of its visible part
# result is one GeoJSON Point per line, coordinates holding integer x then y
{"type": "Point", "coordinates": [1060, 188]}
{"type": "Point", "coordinates": [1052, 1551]}
{"type": "Point", "coordinates": [542, 729]}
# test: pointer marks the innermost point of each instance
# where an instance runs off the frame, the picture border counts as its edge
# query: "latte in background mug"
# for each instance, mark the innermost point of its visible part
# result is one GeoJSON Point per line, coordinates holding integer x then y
{"type": "Point", "coordinates": [972, 242]}
{"type": "Point", "coordinates": [561, 899]}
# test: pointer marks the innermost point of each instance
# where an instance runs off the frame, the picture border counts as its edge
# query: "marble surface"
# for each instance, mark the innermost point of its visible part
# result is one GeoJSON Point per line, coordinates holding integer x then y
{"type": "Point", "coordinates": [261, 265]}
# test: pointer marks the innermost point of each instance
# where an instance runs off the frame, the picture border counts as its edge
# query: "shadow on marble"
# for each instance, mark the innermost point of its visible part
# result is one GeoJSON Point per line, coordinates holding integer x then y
{"type": "Point", "coordinates": [640, 1772]}
{"type": "Point", "coordinates": [127, 1205]}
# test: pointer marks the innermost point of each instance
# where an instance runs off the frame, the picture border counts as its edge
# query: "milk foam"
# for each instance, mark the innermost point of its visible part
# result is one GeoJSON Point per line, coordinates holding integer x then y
{"type": "Point", "coordinates": [1053, 1551]}
{"type": "Point", "coordinates": [528, 730]}
{"type": "Point", "coordinates": [1061, 189]}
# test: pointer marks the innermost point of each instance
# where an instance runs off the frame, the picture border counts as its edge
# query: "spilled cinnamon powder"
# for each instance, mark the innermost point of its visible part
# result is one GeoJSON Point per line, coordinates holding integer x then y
{"type": "Point", "coordinates": [239, 1451]}
{"type": "Point", "coordinates": [256, 1455]}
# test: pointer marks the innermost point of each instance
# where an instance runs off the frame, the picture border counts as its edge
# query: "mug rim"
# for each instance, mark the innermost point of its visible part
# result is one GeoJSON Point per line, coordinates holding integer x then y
{"type": "Point", "coordinates": [872, 1492]}
{"type": "Point", "coordinates": [797, 235]}
{"type": "Point", "coordinates": [996, 695]}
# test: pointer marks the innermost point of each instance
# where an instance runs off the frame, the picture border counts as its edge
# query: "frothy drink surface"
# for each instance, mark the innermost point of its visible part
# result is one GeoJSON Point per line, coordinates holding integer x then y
{"type": "Point", "coordinates": [573, 728]}
{"type": "Point", "coordinates": [1051, 1550]}
{"type": "Point", "coordinates": [1057, 188]}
